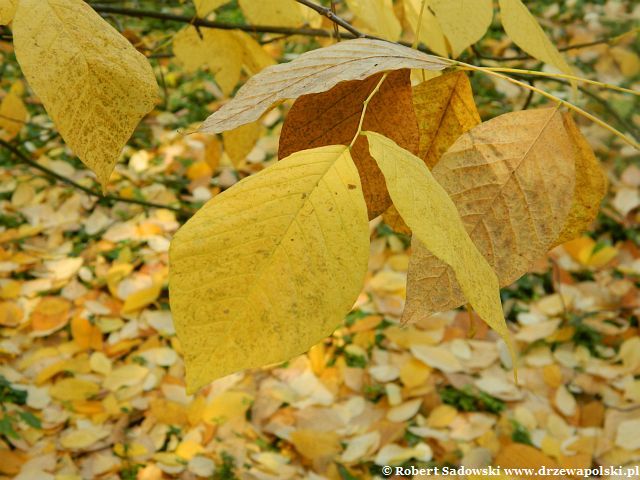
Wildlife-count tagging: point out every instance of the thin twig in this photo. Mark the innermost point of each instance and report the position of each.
(200, 22)
(326, 12)
(336, 30)
(108, 198)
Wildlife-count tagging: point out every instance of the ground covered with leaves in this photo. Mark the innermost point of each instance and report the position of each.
(91, 374)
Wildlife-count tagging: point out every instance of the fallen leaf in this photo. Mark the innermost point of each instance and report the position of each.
(314, 72)
(316, 445)
(521, 456)
(51, 314)
(509, 179)
(10, 314)
(426, 207)
(316, 120)
(302, 208)
(70, 389)
(82, 70)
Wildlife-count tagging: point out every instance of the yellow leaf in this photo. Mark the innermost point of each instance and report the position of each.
(195, 49)
(239, 142)
(188, 449)
(445, 110)
(93, 83)
(583, 250)
(254, 57)
(316, 445)
(590, 189)
(377, 16)
(430, 31)
(227, 406)
(526, 32)
(463, 22)
(10, 314)
(13, 115)
(199, 170)
(205, 7)
(142, 298)
(270, 267)
(314, 72)
(426, 207)
(70, 389)
(284, 13)
(521, 456)
(511, 180)
(51, 314)
(7, 11)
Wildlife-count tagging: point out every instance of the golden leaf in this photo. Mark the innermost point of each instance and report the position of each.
(590, 189)
(430, 31)
(526, 32)
(205, 7)
(93, 83)
(511, 179)
(217, 49)
(7, 11)
(13, 115)
(314, 72)
(51, 314)
(69, 389)
(377, 16)
(463, 22)
(316, 445)
(521, 456)
(239, 142)
(317, 119)
(284, 13)
(445, 110)
(434, 220)
(254, 57)
(268, 268)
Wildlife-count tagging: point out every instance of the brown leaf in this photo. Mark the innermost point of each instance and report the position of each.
(332, 117)
(445, 109)
(590, 189)
(511, 179)
(314, 72)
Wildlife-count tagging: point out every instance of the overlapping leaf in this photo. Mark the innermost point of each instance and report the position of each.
(377, 16)
(332, 117)
(204, 7)
(463, 22)
(93, 83)
(285, 13)
(270, 267)
(512, 180)
(7, 11)
(590, 189)
(430, 32)
(526, 32)
(13, 113)
(445, 110)
(432, 216)
(314, 72)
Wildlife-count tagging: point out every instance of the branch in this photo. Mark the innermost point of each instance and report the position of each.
(200, 22)
(327, 12)
(108, 198)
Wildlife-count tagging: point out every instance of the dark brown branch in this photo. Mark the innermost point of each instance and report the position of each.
(108, 198)
(327, 12)
(200, 22)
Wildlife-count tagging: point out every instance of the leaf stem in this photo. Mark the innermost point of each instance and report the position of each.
(364, 109)
(564, 76)
(419, 26)
(567, 104)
